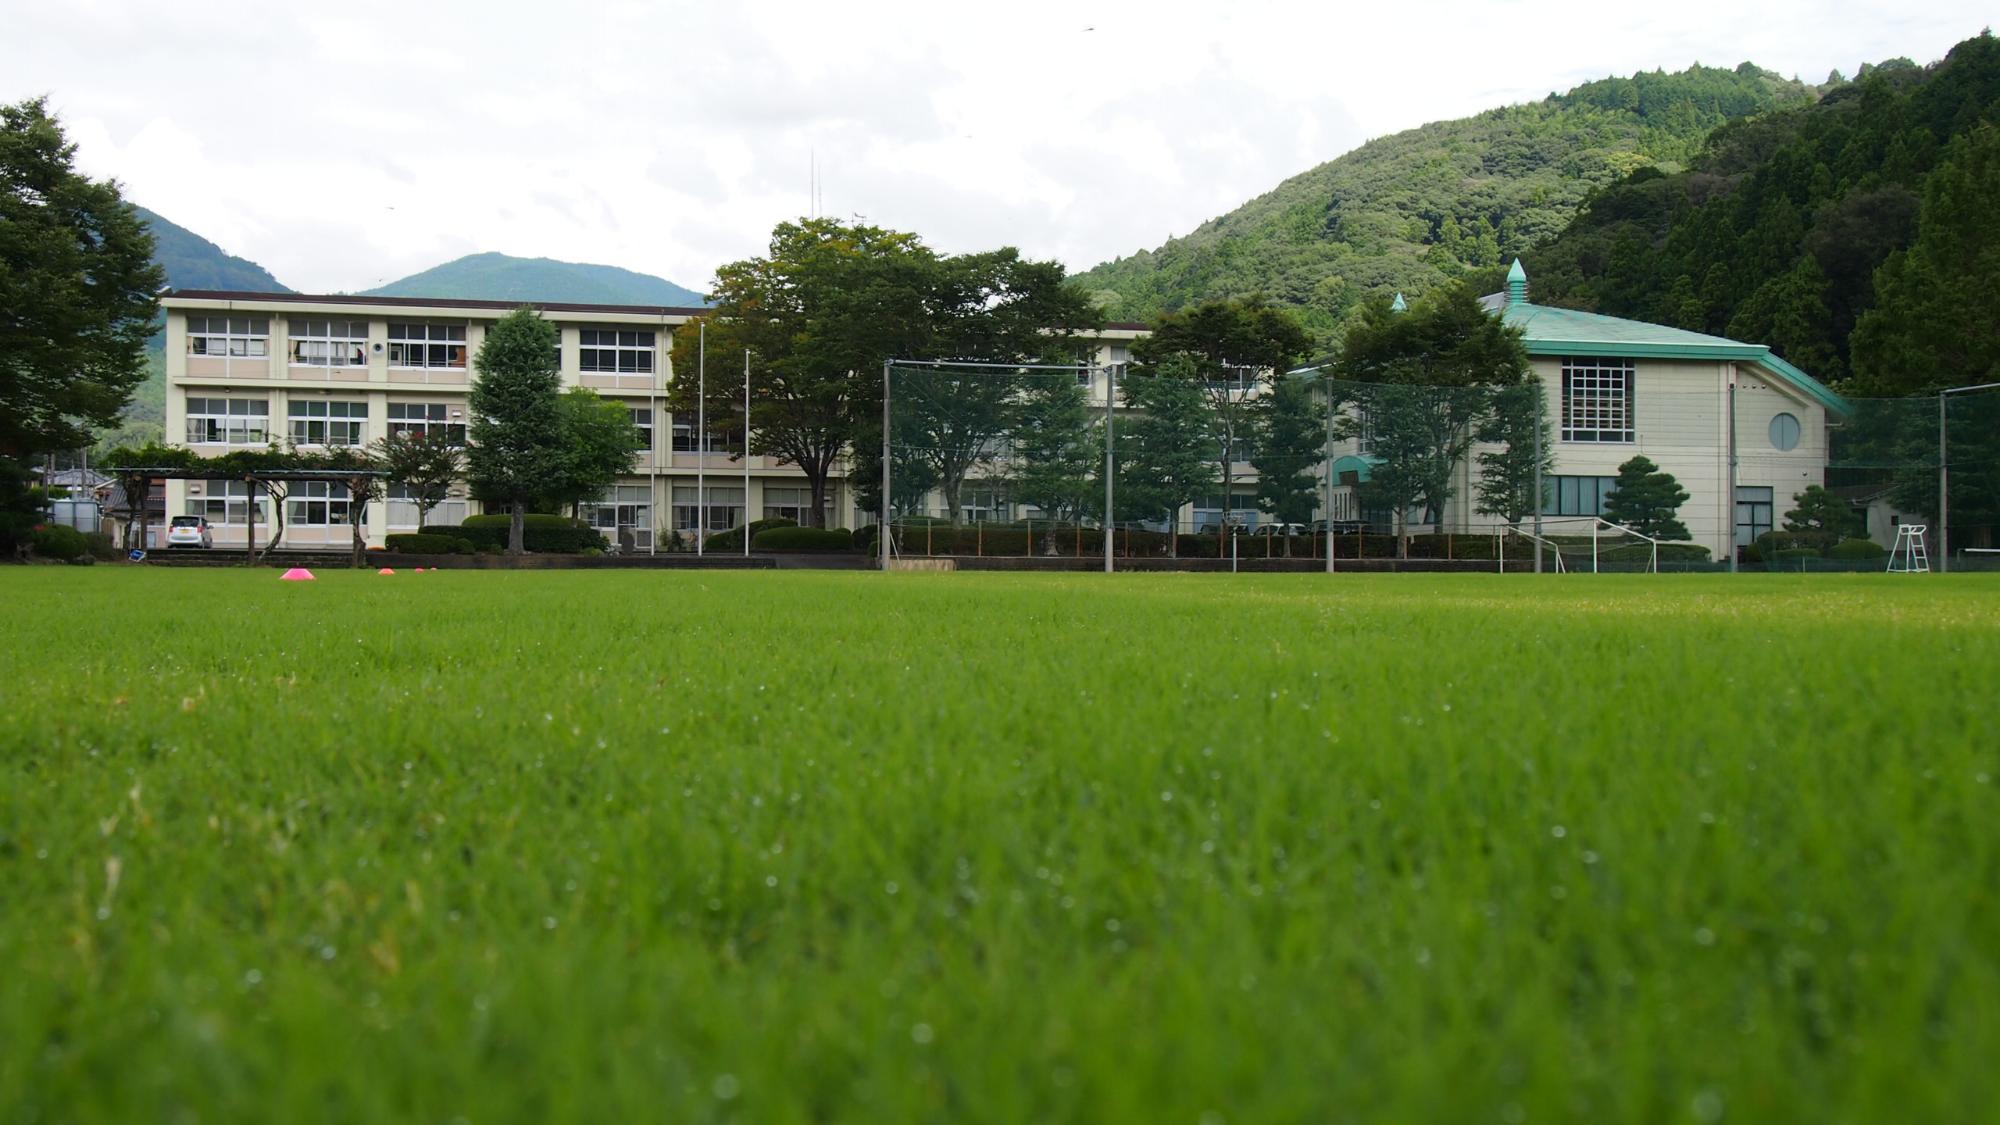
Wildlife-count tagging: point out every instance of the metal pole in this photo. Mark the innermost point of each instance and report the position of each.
(1324, 382)
(746, 453)
(1729, 505)
(883, 537)
(1944, 476)
(701, 441)
(1110, 392)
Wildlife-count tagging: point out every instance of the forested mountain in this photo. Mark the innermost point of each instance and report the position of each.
(1789, 228)
(1413, 209)
(193, 262)
(499, 277)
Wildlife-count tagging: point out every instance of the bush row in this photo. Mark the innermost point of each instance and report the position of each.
(732, 540)
(540, 533)
(1791, 546)
(430, 543)
(803, 539)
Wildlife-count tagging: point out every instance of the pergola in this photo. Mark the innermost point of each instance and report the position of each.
(359, 483)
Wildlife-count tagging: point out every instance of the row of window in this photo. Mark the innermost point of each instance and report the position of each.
(246, 421)
(344, 343)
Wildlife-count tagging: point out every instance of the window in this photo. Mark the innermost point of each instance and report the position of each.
(229, 335)
(1576, 496)
(624, 352)
(224, 502)
(795, 503)
(402, 508)
(1364, 428)
(642, 420)
(423, 419)
(319, 422)
(717, 442)
(624, 515)
(1785, 431)
(330, 343)
(1235, 379)
(318, 503)
(725, 507)
(427, 345)
(1753, 512)
(1208, 511)
(228, 421)
(1597, 400)
(978, 504)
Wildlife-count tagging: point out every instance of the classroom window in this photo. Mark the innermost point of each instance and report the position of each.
(225, 503)
(427, 345)
(320, 422)
(1754, 506)
(424, 419)
(1576, 496)
(228, 421)
(236, 336)
(329, 343)
(620, 351)
(318, 503)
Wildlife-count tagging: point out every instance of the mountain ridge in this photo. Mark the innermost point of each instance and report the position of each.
(493, 276)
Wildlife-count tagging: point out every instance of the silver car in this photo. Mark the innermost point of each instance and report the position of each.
(189, 531)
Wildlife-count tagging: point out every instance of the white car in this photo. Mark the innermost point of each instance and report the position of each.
(189, 531)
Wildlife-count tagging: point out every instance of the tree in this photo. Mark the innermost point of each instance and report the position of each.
(1820, 510)
(425, 463)
(1509, 473)
(1057, 449)
(1647, 500)
(1166, 457)
(1428, 379)
(1291, 440)
(77, 295)
(1228, 349)
(516, 433)
(599, 445)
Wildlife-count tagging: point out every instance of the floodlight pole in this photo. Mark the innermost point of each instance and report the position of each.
(1729, 505)
(701, 440)
(1111, 393)
(1944, 474)
(1328, 385)
(883, 537)
(1541, 498)
(746, 453)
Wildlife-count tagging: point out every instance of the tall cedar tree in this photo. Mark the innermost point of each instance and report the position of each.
(1509, 467)
(77, 294)
(1291, 440)
(1427, 379)
(1228, 349)
(1058, 449)
(1647, 500)
(517, 433)
(1166, 456)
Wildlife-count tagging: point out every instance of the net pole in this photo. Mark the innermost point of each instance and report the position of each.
(701, 441)
(1541, 420)
(1110, 394)
(1729, 529)
(1328, 512)
(883, 538)
(746, 453)
(1944, 476)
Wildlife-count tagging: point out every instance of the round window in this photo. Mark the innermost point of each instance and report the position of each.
(1785, 432)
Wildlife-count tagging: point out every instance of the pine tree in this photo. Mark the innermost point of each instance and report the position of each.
(1820, 510)
(1291, 440)
(516, 432)
(1647, 500)
(1166, 456)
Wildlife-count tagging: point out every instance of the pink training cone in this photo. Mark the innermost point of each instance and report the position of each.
(296, 574)
(385, 570)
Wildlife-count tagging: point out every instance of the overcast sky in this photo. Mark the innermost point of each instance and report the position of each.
(342, 145)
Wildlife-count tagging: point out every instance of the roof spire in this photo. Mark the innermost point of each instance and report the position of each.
(1399, 305)
(1517, 284)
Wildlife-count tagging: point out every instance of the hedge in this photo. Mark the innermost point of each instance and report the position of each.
(540, 533)
(732, 540)
(428, 543)
(1857, 549)
(1774, 544)
(803, 539)
(56, 541)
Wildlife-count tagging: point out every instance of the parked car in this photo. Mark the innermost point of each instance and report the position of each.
(190, 531)
(1286, 530)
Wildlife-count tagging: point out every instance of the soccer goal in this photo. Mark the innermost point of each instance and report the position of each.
(999, 460)
(1593, 545)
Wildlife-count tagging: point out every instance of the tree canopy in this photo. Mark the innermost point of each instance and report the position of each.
(516, 434)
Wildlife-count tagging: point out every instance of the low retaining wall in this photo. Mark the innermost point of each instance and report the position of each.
(1255, 566)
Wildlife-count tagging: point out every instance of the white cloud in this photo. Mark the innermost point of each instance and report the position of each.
(340, 147)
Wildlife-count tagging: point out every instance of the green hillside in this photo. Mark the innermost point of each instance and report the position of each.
(193, 262)
(1410, 210)
(1789, 229)
(499, 277)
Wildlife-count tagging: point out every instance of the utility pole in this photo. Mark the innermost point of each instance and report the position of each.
(1110, 392)
(1729, 504)
(1944, 473)
(746, 453)
(701, 440)
(882, 539)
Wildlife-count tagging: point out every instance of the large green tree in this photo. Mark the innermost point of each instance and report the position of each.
(1166, 456)
(1291, 437)
(1425, 379)
(1230, 350)
(1520, 451)
(517, 437)
(599, 445)
(1058, 449)
(426, 464)
(77, 292)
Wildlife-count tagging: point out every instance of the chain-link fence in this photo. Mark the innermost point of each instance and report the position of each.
(1566, 472)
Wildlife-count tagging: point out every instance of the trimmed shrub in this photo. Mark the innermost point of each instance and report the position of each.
(55, 541)
(732, 540)
(1855, 549)
(1774, 544)
(540, 533)
(101, 547)
(803, 539)
(428, 543)
(1793, 556)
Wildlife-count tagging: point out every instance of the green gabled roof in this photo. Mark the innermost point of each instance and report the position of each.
(1550, 331)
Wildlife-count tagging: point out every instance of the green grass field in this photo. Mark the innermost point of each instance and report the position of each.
(803, 847)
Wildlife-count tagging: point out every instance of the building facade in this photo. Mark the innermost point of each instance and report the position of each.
(248, 369)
